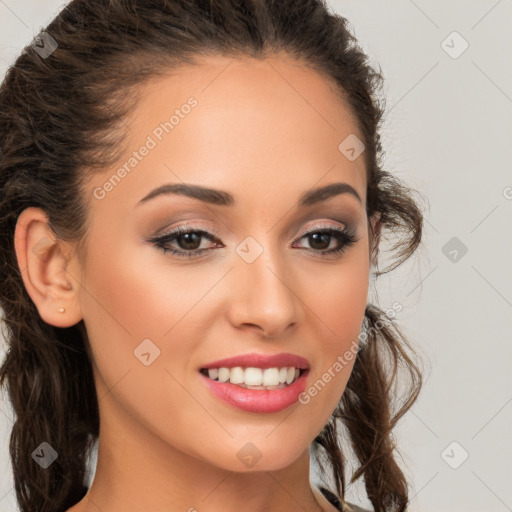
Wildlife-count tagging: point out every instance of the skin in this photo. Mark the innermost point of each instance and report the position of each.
(166, 443)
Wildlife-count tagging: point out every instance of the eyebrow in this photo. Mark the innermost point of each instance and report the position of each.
(223, 198)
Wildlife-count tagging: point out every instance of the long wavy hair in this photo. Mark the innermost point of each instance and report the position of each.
(62, 119)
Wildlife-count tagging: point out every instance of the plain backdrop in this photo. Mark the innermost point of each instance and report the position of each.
(448, 134)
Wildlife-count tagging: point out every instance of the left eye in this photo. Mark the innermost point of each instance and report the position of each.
(189, 240)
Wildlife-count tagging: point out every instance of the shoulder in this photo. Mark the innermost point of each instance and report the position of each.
(347, 507)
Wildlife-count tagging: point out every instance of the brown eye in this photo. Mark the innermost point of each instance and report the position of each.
(187, 239)
(320, 239)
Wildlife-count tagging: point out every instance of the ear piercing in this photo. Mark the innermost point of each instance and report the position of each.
(61, 310)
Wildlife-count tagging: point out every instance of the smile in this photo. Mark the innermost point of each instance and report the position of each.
(255, 378)
(243, 395)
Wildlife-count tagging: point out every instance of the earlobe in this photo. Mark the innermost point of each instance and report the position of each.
(43, 261)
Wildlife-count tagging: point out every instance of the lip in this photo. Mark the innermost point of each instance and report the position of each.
(255, 360)
(257, 400)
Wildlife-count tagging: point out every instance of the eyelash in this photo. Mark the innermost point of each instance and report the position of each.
(347, 238)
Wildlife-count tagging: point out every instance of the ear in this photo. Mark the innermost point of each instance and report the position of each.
(375, 241)
(45, 265)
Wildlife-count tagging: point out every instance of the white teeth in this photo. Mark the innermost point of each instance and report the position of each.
(223, 374)
(252, 377)
(256, 378)
(271, 377)
(236, 375)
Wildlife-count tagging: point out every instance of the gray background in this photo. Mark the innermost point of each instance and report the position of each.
(448, 134)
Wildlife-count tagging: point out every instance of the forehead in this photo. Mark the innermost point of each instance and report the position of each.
(273, 120)
(270, 87)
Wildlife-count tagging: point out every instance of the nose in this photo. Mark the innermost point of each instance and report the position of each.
(263, 296)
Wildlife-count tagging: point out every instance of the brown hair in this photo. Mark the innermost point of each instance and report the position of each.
(61, 119)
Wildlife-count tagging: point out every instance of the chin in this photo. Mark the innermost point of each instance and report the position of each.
(257, 456)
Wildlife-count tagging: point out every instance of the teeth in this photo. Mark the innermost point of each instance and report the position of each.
(270, 377)
(236, 376)
(256, 378)
(223, 374)
(213, 373)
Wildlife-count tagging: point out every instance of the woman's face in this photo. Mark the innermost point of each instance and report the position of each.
(266, 133)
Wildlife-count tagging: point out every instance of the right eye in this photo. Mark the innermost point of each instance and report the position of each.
(188, 238)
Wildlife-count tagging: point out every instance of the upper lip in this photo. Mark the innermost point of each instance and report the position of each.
(254, 360)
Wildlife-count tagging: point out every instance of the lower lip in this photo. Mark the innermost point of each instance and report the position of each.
(257, 400)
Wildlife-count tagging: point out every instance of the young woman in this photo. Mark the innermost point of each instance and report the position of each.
(192, 202)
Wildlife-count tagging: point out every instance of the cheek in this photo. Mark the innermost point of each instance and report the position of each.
(136, 292)
(337, 297)
(127, 300)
